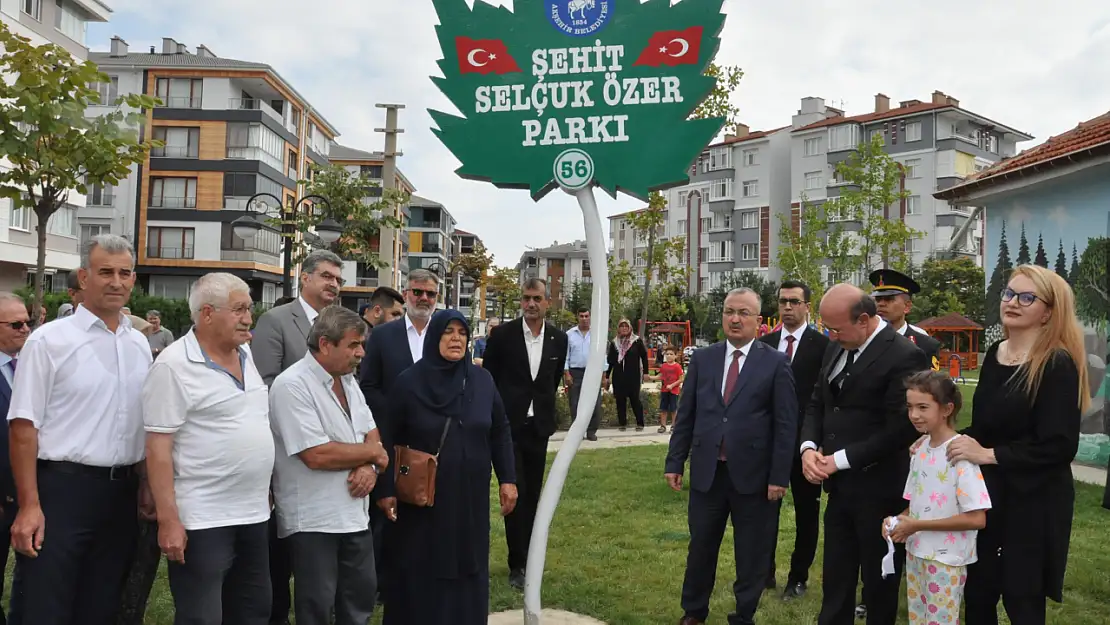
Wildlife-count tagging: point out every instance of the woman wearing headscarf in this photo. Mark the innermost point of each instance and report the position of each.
(441, 573)
(628, 366)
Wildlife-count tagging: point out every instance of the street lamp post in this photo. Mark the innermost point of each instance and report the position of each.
(249, 225)
(448, 279)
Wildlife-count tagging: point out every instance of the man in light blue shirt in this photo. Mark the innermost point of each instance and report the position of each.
(578, 352)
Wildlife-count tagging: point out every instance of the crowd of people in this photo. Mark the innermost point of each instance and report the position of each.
(352, 453)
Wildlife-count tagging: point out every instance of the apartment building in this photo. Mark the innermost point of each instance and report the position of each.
(937, 142)
(64, 23)
(430, 229)
(466, 295)
(231, 129)
(360, 280)
(561, 265)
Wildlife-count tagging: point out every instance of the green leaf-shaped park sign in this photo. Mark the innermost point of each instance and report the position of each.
(574, 92)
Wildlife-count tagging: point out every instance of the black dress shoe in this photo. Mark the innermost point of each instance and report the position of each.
(516, 578)
(591, 437)
(689, 620)
(794, 590)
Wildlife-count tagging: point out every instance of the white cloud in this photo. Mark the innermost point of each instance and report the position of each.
(1019, 63)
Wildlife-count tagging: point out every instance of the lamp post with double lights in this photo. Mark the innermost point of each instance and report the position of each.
(249, 225)
(448, 274)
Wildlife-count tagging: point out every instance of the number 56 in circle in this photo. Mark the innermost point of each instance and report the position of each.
(574, 169)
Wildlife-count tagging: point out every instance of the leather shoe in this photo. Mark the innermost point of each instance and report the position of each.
(794, 590)
(591, 437)
(516, 578)
(689, 620)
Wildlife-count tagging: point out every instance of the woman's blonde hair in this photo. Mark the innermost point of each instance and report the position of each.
(1062, 331)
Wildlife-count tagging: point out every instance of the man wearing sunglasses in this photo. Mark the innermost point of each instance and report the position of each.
(14, 328)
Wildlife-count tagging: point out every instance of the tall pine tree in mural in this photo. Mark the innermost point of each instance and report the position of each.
(1074, 270)
(1023, 257)
(1041, 258)
(999, 277)
(1061, 262)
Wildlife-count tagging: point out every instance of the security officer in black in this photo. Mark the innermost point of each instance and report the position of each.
(894, 293)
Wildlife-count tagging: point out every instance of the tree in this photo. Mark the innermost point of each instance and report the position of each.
(1074, 270)
(719, 102)
(999, 278)
(504, 287)
(1023, 248)
(950, 286)
(1092, 293)
(51, 147)
(645, 226)
(474, 265)
(622, 291)
(1061, 262)
(1041, 258)
(580, 296)
(348, 203)
(802, 253)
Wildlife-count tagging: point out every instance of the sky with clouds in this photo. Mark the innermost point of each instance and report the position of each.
(1035, 65)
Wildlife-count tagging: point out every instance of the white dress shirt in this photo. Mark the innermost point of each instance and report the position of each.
(841, 457)
(416, 339)
(729, 350)
(797, 334)
(81, 386)
(223, 450)
(309, 311)
(305, 413)
(534, 345)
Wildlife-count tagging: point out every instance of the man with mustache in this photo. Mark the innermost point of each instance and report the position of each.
(279, 341)
(385, 305)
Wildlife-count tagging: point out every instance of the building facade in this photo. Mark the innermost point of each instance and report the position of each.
(64, 23)
(561, 265)
(430, 229)
(231, 129)
(466, 294)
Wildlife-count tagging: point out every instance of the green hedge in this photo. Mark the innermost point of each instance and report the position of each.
(608, 410)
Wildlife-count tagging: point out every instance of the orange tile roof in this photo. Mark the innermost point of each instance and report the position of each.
(951, 321)
(621, 215)
(871, 117)
(751, 136)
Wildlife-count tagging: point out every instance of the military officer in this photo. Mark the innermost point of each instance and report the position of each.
(894, 293)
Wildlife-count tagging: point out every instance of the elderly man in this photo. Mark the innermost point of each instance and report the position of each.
(210, 456)
(739, 399)
(15, 326)
(329, 455)
(77, 444)
(278, 342)
(159, 338)
(856, 438)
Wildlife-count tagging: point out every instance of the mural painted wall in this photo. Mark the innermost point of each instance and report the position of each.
(1063, 225)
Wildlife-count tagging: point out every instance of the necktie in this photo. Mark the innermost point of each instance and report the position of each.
(790, 347)
(12, 363)
(730, 385)
(839, 379)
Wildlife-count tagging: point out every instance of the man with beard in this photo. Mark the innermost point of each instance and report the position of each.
(279, 341)
(527, 358)
(385, 305)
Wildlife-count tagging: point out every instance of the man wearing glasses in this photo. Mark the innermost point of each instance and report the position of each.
(280, 340)
(15, 327)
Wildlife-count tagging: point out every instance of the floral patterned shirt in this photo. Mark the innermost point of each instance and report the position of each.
(938, 489)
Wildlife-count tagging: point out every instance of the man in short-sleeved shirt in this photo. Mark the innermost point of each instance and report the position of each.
(159, 338)
(328, 458)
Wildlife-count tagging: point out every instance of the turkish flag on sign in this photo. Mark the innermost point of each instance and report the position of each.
(482, 56)
(672, 47)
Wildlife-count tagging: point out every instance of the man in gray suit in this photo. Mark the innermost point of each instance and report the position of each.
(280, 340)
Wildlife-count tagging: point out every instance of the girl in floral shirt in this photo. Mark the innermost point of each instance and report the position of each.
(947, 504)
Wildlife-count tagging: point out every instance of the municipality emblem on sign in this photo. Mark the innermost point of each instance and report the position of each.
(578, 18)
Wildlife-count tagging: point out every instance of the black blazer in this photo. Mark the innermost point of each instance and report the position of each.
(387, 355)
(506, 359)
(7, 481)
(806, 366)
(867, 419)
(927, 344)
(758, 424)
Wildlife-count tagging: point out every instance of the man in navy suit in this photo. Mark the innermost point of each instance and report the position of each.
(737, 423)
(15, 327)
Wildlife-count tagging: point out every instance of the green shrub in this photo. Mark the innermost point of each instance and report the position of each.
(563, 417)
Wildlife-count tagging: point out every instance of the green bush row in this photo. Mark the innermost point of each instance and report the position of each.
(563, 417)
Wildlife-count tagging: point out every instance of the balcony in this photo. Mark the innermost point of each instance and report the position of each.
(365, 281)
(250, 256)
(180, 102)
(292, 173)
(174, 151)
(170, 253)
(104, 200)
(172, 202)
(253, 104)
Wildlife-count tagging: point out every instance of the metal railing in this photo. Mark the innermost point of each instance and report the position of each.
(172, 202)
(180, 102)
(253, 255)
(367, 281)
(175, 151)
(254, 104)
(171, 253)
(106, 199)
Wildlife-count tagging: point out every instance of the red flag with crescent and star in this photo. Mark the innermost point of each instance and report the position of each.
(672, 47)
(484, 56)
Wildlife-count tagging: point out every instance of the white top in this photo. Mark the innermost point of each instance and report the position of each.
(797, 334)
(534, 345)
(416, 340)
(937, 489)
(729, 349)
(309, 311)
(81, 386)
(223, 451)
(305, 413)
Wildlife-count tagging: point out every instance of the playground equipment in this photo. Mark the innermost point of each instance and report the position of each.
(677, 334)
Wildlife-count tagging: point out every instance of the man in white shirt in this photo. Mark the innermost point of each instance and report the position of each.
(77, 446)
(578, 354)
(210, 456)
(329, 455)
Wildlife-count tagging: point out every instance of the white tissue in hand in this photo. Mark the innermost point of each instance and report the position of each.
(888, 559)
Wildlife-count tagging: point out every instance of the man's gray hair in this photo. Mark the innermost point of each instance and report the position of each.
(332, 325)
(214, 289)
(8, 296)
(534, 284)
(423, 275)
(155, 313)
(743, 290)
(111, 243)
(316, 257)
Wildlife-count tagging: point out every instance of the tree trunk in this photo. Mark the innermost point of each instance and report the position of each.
(647, 281)
(42, 213)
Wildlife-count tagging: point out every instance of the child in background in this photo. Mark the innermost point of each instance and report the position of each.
(671, 376)
(948, 503)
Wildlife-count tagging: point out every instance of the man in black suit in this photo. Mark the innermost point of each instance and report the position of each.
(15, 327)
(856, 439)
(526, 358)
(385, 305)
(804, 347)
(893, 294)
(737, 423)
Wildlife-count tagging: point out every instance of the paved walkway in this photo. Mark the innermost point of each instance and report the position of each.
(548, 617)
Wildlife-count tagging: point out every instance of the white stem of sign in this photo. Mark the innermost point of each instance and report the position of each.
(591, 386)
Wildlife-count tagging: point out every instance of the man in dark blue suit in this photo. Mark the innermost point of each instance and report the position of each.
(14, 330)
(737, 423)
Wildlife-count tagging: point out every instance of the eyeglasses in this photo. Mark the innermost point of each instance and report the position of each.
(793, 301)
(418, 293)
(238, 311)
(746, 314)
(17, 325)
(1024, 299)
(330, 277)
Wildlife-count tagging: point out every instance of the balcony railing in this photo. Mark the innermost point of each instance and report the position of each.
(366, 281)
(106, 199)
(292, 173)
(181, 102)
(172, 202)
(254, 104)
(174, 151)
(720, 227)
(251, 255)
(290, 126)
(172, 253)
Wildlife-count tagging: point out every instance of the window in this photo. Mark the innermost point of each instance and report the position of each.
(180, 142)
(620, 254)
(720, 251)
(63, 222)
(267, 240)
(245, 185)
(681, 226)
(913, 244)
(913, 168)
(989, 143)
(173, 193)
(69, 22)
(622, 234)
(722, 221)
(913, 131)
(703, 254)
(89, 231)
(705, 224)
(180, 93)
(255, 142)
(720, 158)
(835, 213)
(108, 91)
(292, 165)
(749, 220)
(751, 188)
(32, 8)
(623, 224)
(913, 205)
(843, 137)
(751, 158)
(720, 190)
(813, 180)
(703, 284)
(682, 197)
(812, 147)
(172, 243)
(878, 132)
(20, 218)
(371, 171)
(749, 251)
(100, 195)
